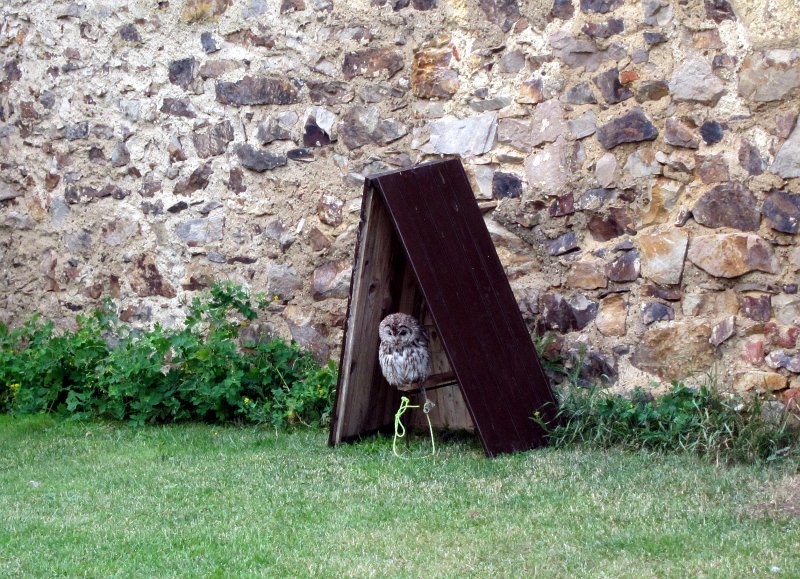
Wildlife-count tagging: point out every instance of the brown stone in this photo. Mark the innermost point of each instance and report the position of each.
(710, 304)
(531, 92)
(197, 180)
(679, 134)
(755, 380)
(732, 254)
(675, 351)
(561, 206)
(713, 169)
(431, 75)
(372, 62)
(662, 255)
(610, 86)
(178, 108)
(612, 315)
(617, 222)
(731, 205)
(756, 306)
(723, 330)
(750, 159)
(652, 90)
(504, 13)
(214, 141)
(586, 275)
(664, 195)
(146, 280)
(656, 312)
(329, 210)
(567, 314)
(770, 76)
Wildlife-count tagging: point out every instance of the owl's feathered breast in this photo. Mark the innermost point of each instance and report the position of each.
(404, 360)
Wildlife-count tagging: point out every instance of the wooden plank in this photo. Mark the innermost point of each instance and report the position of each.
(466, 290)
(361, 404)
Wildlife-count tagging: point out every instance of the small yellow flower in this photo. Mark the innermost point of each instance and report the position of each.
(276, 297)
(246, 400)
(14, 389)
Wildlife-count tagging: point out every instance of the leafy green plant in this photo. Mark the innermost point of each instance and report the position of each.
(697, 420)
(201, 371)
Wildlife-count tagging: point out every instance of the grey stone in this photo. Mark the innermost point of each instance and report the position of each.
(283, 281)
(549, 169)
(198, 179)
(624, 268)
(77, 131)
(178, 108)
(580, 94)
(656, 12)
(331, 280)
(679, 134)
(577, 52)
(277, 128)
(719, 10)
(642, 163)
(208, 43)
(607, 29)
(182, 72)
(722, 330)
(506, 185)
(750, 159)
(214, 141)
(712, 132)
(584, 126)
(202, 230)
(567, 314)
(504, 13)
(279, 233)
(599, 6)
(652, 90)
(120, 155)
(695, 81)
(260, 161)
(770, 76)
(605, 170)
(787, 161)
(511, 62)
(656, 312)
(466, 137)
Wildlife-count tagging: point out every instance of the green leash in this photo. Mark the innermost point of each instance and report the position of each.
(400, 430)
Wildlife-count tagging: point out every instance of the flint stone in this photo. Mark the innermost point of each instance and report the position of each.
(371, 62)
(146, 280)
(208, 43)
(256, 90)
(612, 316)
(759, 381)
(584, 126)
(304, 155)
(362, 125)
(506, 185)
(331, 280)
(562, 205)
(201, 230)
(494, 104)
(782, 211)
(662, 255)
(780, 359)
(607, 29)
(656, 12)
(510, 63)
(600, 6)
(567, 315)
(730, 204)
(606, 227)
(652, 90)
(610, 87)
(562, 244)
(719, 10)
(178, 108)
(596, 198)
(583, 53)
(656, 312)
(182, 72)
(77, 131)
(653, 38)
(624, 268)
(770, 76)
(586, 275)
(712, 132)
(675, 351)
(750, 159)
(120, 155)
(562, 9)
(732, 254)
(633, 126)
(504, 13)
(318, 129)
(277, 128)
(787, 161)
(214, 141)
(722, 330)
(330, 93)
(695, 81)
(466, 137)
(197, 180)
(260, 161)
(279, 233)
(580, 94)
(756, 306)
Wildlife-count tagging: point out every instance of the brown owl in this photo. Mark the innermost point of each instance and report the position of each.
(403, 353)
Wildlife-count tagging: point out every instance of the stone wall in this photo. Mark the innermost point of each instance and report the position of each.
(638, 162)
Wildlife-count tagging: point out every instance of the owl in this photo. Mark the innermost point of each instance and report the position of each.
(403, 353)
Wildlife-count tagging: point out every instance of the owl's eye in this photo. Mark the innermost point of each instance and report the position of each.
(403, 332)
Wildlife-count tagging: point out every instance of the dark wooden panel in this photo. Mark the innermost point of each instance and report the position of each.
(466, 290)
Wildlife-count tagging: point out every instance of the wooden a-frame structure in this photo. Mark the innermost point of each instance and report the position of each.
(423, 248)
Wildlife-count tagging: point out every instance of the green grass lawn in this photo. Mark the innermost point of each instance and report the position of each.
(100, 500)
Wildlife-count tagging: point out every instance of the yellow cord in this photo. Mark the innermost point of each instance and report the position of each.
(400, 430)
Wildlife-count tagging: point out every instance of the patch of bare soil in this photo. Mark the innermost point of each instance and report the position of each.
(786, 501)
